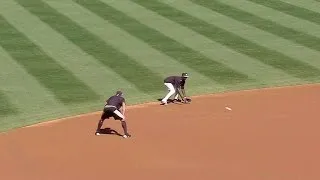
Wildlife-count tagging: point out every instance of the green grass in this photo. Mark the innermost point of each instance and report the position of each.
(183, 54)
(94, 46)
(65, 57)
(269, 26)
(291, 9)
(43, 67)
(267, 56)
(6, 108)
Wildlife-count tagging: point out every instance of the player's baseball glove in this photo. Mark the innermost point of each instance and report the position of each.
(188, 100)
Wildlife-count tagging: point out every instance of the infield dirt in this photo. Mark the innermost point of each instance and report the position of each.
(269, 134)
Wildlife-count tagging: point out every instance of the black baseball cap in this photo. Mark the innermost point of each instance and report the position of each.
(185, 75)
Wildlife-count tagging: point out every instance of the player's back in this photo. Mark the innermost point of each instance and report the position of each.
(115, 101)
(172, 79)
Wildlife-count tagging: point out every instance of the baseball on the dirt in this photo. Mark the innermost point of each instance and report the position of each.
(227, 108)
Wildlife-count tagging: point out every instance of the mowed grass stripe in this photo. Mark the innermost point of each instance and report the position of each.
(266, 47)
(275, 16)
(279, 18)
(302, 53)
(229, 37)
(6, 107)
(128, 44)
(309, 41)
(291, 9)
(186, 37)
(70, 56)
(66, 87)
(184, 55)
(254, 69)
(142, 77)
(307, 4)
(26, 94)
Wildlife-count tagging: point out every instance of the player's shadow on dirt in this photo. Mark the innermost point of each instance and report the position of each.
(109, 131)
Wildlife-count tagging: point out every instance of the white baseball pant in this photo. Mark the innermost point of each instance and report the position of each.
(171, 90)
(118, 113)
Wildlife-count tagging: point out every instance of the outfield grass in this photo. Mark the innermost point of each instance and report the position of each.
(64, 57)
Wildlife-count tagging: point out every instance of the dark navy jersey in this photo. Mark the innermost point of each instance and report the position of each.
(115, 101)
(176, 81)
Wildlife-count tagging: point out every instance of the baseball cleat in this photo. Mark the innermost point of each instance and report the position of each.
(163, 103)
(97, 134)
(126, 136)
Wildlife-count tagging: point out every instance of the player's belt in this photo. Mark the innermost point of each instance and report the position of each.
(110, 106)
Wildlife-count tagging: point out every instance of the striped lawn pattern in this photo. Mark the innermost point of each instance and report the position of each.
(211, 69)
(192, 39)
(43, 67)
(65, 53)
(93, 45)
(65, 57)
(277, 29)
(25, 93)
(311, 5)
(291, 9)
(233, 41)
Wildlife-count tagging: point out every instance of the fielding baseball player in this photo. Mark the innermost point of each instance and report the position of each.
(175, 85)
(112, 109)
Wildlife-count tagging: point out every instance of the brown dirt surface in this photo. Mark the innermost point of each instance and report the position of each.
(269, 134)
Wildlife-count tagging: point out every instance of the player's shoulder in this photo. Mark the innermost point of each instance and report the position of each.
(172, 76)
(120, 98)
(112, 97)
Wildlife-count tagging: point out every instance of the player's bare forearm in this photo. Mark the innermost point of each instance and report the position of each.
(124, 126)
(123, 108)
(125, 130)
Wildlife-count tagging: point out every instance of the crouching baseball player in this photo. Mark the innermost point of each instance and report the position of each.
(112, 109)
(175, 85)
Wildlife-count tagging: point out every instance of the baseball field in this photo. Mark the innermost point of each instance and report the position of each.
(254, 68)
